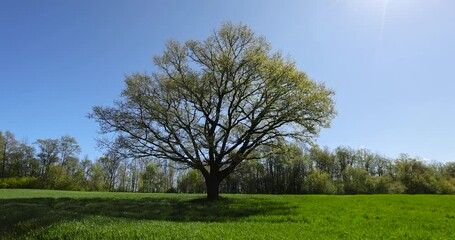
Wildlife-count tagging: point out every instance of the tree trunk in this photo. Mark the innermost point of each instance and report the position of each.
(4, 160)
(213, 188)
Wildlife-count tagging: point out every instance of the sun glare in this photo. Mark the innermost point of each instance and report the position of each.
(384, 15)
(367, 8)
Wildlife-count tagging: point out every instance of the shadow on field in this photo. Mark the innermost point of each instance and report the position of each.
(19, 216)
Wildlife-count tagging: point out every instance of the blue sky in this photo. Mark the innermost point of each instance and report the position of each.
(390, 62)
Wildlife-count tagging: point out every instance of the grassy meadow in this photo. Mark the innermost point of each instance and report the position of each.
(47, 214)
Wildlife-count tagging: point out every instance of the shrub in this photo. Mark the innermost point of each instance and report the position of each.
(372, 184)
(356, 181)
(416, 176)
(20, 182)
(383, 184)
(320, 183)
(396, 187)
(191, 182)
(445, 187)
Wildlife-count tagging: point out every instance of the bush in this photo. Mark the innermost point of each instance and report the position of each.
(383, 184)
(396, 187)
(320, 183)
(356, 181)
(445, 187)
(191, 182)
(3, 184)
(20, 182)
(372, 184)
(416, 176)
(452, 181)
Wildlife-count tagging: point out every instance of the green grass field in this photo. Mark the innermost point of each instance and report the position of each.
(45, 214)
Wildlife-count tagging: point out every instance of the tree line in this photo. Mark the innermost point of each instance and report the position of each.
(55, 164)
(289, 169)
(279, 168)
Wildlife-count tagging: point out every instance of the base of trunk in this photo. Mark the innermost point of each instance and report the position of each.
(213, 190)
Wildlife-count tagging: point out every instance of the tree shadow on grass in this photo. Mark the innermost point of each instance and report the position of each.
(20, 216)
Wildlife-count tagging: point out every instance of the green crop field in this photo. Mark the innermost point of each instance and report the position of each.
(45, 214)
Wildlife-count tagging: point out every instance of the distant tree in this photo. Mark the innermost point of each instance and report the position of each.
(324, 160)
(96, 176)
(448, 170)
(355, 180)
(297, 169)
(110, 165)
(345, 157)
(212, 103)
(55, 177)
(153, 179)
(383, 166)
(169, 171)
(22, 161)
(48, 153)
(247, 178)
(7, 145)
(191, 182)
(415, 175)
(71, 165)
(320, 183)
(68, 149)
(284, 167)
(276, 163)
(134, 175)
(123, 185)
(84, 167)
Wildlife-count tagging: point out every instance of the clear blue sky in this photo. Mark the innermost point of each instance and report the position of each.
(391, 62)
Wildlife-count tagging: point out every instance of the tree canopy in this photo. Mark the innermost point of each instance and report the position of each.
(210, 104)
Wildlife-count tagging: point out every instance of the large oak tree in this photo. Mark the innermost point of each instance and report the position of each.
(211, 103)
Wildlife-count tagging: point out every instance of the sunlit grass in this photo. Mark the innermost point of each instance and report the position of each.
(44, 214)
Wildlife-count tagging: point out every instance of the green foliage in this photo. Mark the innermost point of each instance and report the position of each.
(396, 187)
(246, 179)
(20, 182)
(355, 180)
(417, 177)
(44, 214)
(445, 187)
(191, 182)
(280, 168)
(380, 184)
(323, 159)
(448, 170)
(153, 179)
(172, 190)
(96, 178)
(320, 183)
(55, 178)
